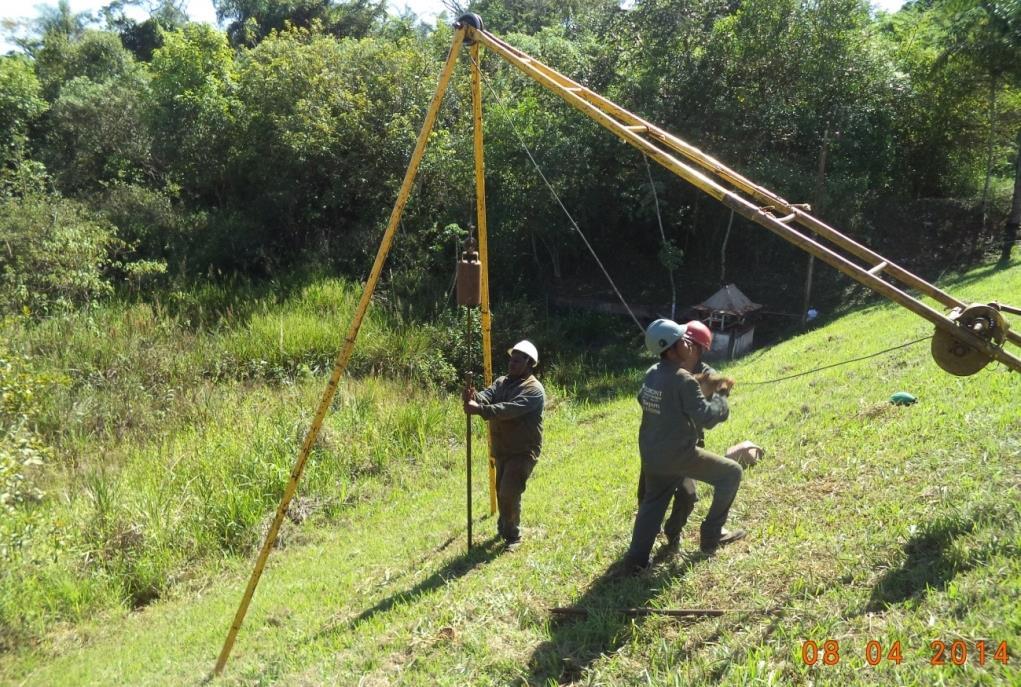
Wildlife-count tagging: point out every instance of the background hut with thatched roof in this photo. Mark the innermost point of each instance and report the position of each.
(730, 315)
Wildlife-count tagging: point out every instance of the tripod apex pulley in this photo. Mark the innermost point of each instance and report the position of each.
(954, 354)
(469, 20)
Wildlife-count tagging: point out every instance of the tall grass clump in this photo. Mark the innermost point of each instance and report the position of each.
(23, 457)
(302, 334)
(169, 441)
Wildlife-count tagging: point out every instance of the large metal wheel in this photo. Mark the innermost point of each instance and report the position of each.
(958, 357)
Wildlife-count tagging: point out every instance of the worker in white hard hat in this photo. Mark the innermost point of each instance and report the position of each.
(674, 413)
(513, 407)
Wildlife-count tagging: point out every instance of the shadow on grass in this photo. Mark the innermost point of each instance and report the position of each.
(481, 553)
(933, 559)
(575, 642)
(740, 652)
(957, 281)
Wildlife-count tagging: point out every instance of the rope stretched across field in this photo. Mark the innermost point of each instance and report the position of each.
(844, 362)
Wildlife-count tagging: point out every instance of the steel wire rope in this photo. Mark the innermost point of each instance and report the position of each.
(557, 198)
(844, 362)
(662, 236)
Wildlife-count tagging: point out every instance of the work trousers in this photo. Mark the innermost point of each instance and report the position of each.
(722, 473)
(684, 502)
(511, 477)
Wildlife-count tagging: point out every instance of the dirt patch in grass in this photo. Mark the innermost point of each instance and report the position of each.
(875, 410)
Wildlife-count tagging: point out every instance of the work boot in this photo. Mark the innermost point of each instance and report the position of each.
(633, 568)
(673, 539)
(726, 537)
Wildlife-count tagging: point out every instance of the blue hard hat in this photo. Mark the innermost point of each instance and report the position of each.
(662, 334)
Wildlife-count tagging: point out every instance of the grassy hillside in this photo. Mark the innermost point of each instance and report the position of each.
(868, 522)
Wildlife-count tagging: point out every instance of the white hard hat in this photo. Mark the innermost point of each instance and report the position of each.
(526, 347)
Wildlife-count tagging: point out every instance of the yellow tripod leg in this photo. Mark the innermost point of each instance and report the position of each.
(344, 356)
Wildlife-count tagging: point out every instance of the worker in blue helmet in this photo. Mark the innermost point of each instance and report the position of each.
(674, 413)
(697, 333)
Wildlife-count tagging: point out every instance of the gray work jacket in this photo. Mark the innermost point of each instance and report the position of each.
(674, 414)
(513, 408)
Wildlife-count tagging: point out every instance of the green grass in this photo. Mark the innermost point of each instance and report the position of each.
(867, 522)
(171, 439)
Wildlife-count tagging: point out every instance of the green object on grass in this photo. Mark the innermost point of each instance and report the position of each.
(902, 398)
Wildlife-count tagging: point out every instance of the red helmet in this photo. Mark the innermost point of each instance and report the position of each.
(699, 334)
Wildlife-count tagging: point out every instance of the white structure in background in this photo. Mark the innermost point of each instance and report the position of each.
(727, 313)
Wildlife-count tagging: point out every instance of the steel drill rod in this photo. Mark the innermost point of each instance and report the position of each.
(645, 610)
(468, 427)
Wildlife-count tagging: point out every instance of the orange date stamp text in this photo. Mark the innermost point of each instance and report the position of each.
(958, 652)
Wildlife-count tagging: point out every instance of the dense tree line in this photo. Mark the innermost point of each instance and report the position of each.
(138, 152)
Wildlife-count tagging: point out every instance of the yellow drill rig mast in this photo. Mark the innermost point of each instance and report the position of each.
(966, 338)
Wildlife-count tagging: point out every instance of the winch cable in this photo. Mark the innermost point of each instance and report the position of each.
(844, 362)
(570, 218)
(662, 236)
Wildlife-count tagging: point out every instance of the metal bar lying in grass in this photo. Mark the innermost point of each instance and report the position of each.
(645, 610)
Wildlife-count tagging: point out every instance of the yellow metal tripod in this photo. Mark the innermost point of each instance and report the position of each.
(965, 341)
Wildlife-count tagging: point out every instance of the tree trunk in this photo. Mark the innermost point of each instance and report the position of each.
(1011, 227)
(990, 145)
(552, 252)
(723, 251)
(820, 188)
